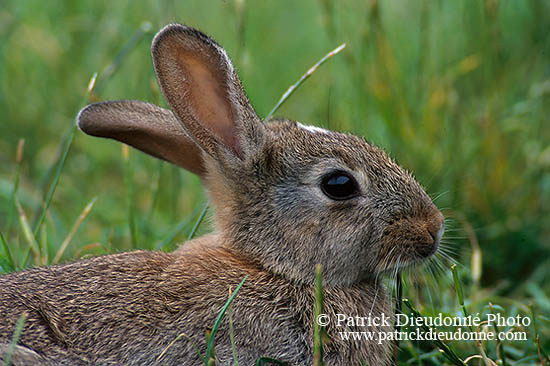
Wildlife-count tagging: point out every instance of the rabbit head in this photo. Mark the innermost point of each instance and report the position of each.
(286, 196)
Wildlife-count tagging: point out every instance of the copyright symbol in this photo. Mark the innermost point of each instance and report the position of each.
(323, 320)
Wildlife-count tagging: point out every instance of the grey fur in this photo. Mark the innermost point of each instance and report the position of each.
(272, 223)
(150, 128)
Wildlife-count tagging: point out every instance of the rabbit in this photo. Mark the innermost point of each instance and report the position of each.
(286, 196)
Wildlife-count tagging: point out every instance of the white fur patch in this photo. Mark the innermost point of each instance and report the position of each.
(227, 60)
(313, 129)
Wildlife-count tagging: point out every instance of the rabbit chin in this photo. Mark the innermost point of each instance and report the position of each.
(404, 262)
(406, 254)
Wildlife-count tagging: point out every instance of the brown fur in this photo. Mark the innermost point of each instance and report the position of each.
(127, 308)
(273, 224)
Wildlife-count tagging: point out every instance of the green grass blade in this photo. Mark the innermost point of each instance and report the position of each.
(27, 233)
(458, 286)
(197, 224)
(73, 231)
(128, 181)
(53, 186)
(317, 329)
(15, 339)
(26, 257)
(11, 262)
(43, 244)
(304, 77)
(18, 161)
(500, 345)
(181, 335)
(398, 309)
(445, 349)
(210, 346)
(459, 292)
(169, 238)
(232, 337)
(155, 195)
(543, 356)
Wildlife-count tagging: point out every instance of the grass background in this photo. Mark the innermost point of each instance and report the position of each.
(457, 91)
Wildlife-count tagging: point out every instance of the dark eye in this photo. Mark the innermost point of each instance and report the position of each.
(339, 185)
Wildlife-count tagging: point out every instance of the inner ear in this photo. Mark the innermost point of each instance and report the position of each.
(210, 99)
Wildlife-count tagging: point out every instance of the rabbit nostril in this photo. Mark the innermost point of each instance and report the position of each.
(440, 232)
(436, 232)
(436, 226)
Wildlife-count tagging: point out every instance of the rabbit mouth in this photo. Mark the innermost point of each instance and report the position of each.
(401, 261)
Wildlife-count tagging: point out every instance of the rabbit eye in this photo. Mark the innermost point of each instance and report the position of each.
(339, 186)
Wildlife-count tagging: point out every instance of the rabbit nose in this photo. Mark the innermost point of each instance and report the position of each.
(436, 227)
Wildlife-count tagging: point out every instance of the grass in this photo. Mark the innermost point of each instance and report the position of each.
(457, 91)
(15, 339)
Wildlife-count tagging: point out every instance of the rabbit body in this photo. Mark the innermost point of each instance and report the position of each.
(285, 196)
(127, 308)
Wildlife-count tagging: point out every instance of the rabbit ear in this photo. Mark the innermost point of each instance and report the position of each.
(204, 91)
(145, 126)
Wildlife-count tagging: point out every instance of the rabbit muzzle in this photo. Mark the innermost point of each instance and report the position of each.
(411, 239)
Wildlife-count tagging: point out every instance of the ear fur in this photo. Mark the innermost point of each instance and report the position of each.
(204, 92)
(147, 127)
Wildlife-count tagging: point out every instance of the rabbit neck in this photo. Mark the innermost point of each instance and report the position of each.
(213, 266)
